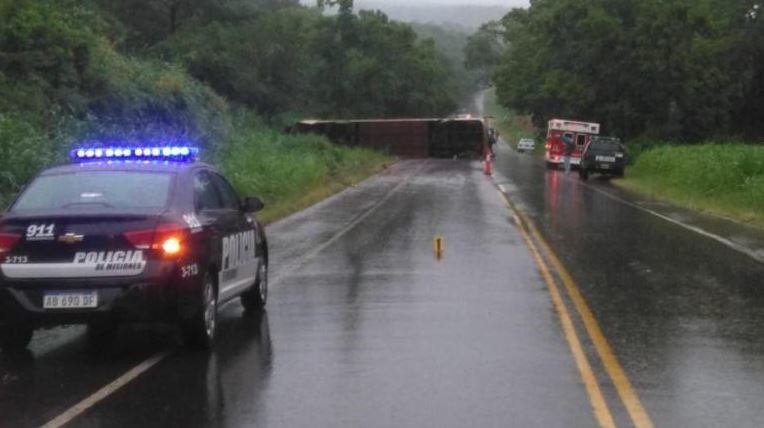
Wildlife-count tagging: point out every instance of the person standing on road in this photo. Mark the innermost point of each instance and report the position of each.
(493, 138)
(570, 145)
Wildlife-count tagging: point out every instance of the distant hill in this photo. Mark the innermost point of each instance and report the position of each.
(468, 17)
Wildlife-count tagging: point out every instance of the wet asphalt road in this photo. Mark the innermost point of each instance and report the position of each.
(366, 328)
(683, 313)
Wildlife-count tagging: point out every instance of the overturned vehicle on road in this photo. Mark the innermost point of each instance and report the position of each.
(461, 137)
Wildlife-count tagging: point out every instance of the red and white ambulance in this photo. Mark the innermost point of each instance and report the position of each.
(580, 132)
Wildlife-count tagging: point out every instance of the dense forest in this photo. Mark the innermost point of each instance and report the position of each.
(681, 70)
(197, 70)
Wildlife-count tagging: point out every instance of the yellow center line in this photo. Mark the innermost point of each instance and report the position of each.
(626, 391)
(639, 416)
(599, 405)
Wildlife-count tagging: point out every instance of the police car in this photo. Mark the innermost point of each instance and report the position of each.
(604, 155)
(128, 234)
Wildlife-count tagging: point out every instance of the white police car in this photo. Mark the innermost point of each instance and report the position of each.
(129, 234)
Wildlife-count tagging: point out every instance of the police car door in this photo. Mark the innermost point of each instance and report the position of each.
(239, 267)
(219, 221)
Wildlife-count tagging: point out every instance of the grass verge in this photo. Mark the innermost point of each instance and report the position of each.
(289, 172)
(724, 179)
(512, 126)
(292, 172)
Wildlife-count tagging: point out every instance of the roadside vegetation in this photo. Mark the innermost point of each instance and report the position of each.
(451, 41)
(684, 71)
(226, 76)
(291, 172)
(726, 179)
(510, 125)
(665, 76)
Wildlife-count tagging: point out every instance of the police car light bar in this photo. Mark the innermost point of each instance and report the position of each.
(149, 153)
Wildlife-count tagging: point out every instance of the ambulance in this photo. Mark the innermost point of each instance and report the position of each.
(580, 132)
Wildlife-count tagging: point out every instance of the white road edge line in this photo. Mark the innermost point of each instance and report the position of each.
(720, 239)
(79, 408)
(104, 392)
(363, 216)
(724, 241)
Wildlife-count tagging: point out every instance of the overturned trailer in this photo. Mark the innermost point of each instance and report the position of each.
(408, 138)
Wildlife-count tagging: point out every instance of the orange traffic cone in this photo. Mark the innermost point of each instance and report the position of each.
(487, 165)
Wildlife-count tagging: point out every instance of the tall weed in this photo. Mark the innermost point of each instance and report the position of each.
(721, 177)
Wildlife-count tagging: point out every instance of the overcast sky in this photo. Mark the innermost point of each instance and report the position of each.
(506, 3)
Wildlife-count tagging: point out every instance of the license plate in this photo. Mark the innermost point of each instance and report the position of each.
(605, 166)
(70, 300)
(606, 158)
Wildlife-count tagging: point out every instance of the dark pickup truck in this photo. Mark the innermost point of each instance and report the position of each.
(604, 155)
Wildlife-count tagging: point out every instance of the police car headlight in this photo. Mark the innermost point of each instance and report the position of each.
(619, 155)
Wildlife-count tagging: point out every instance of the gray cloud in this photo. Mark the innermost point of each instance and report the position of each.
(435, 3)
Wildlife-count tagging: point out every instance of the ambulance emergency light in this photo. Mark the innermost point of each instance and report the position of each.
(137, 153)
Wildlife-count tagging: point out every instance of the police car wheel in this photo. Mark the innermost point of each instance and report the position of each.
(14, 337)
(199, 331)
(255, 298)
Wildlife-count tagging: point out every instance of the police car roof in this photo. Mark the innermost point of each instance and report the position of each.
(126, 166)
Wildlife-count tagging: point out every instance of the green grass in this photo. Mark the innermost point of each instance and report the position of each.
(725, 179)
(291, 172)
(512, 126)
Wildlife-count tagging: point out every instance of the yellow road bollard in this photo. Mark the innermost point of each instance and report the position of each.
(438, 247)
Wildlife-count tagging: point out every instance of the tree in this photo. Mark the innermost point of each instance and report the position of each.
(679, 69)
(484, 49)
(298, 60)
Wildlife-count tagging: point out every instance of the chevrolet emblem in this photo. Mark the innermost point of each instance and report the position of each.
(71, 238)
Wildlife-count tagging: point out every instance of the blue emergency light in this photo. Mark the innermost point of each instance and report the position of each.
(137, 153)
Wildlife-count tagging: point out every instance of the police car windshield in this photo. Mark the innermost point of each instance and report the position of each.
(96, 189)
(606, 144)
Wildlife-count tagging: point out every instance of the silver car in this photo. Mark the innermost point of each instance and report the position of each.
(526, 144)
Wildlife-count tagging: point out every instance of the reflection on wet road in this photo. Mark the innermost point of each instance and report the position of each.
(365, 327)
(683, 313)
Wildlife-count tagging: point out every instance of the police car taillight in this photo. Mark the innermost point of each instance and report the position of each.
(141, 239)
(8, 241)
(169, 238)
(172, 246)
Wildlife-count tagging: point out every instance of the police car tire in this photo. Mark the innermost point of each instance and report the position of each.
(197, 331)
(14, 338)
(255, 298)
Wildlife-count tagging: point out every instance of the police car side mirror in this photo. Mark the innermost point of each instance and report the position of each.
(253, 204)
